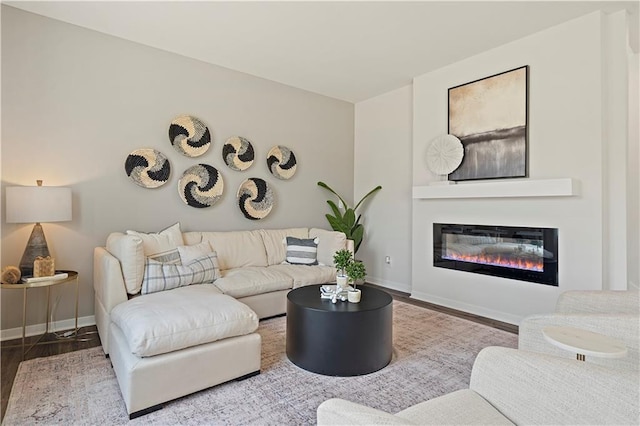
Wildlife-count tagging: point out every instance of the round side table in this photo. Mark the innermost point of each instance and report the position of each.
(584, 342)
(72, 276)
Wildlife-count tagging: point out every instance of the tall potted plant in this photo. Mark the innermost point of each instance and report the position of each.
(342, 259)
(355, 271)
(347, 222)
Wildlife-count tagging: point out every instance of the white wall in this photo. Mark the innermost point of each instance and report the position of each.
(568, 102)
(76, 102)
(383, 152)
(615, 149)
(633, 173)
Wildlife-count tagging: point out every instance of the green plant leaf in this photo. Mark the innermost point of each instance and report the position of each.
(349, 218)
(335, 209)
(325, 186)
(357, 234)
(377, 188)
(338, 225)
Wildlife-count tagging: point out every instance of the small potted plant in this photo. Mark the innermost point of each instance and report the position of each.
(342, 259)
(355, 271)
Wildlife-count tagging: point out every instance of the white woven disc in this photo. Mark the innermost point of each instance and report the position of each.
(444, 154)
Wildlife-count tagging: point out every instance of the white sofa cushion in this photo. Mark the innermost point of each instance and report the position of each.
(165, 276)
(161, 246)
(274, 245)
(304, 275)
(242, 282)
(237, 249)
(329, 242)
(187, 316)
(129, 251)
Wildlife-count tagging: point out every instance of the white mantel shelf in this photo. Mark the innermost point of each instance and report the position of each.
(565, 187)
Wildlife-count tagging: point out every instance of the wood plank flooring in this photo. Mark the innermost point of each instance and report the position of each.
(10, 351)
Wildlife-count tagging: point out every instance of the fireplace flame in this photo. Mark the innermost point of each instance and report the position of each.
(527, 264)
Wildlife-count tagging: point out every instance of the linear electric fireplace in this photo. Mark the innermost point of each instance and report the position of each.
(520, 253)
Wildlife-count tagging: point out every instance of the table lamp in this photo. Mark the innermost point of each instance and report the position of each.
(29, 204)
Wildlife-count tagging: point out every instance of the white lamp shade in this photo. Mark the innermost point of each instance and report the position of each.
(35, 204)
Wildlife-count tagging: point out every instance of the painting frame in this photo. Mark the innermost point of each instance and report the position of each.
(490, 116)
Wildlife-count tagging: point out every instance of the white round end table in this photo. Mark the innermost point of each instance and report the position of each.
(584, 342)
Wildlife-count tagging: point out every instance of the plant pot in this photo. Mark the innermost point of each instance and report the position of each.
(354, 296)
(342, 281)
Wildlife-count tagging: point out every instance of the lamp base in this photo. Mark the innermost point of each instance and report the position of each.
(36, 246)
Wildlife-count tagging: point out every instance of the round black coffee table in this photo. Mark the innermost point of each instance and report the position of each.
(342, 338)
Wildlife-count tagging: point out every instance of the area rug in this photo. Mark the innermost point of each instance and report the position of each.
(433, 355)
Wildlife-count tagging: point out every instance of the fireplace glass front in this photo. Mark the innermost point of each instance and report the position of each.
(521, 253)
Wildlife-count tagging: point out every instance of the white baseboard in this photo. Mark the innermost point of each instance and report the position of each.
(393, 285)
(466, 307)
(37, 329)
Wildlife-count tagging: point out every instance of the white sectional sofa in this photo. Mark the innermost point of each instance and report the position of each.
(167, 344)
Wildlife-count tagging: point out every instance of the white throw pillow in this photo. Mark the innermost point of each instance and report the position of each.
(189, 253)
(162, 246)
(129, 251)
(329, 243)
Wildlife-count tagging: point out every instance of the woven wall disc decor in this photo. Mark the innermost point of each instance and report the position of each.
(255, 198)
(237, 153)
(148, 168)
(281, 162)
(201, 186)
(189, 136)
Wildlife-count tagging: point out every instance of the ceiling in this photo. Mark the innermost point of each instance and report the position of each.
(349, 50)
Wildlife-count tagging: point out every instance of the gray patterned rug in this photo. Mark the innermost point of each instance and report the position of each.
(433, 355)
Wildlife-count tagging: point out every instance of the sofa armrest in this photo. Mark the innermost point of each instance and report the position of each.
(598, 302)
(341, 412)
(531, 388)
(110, 291)
(622, 327)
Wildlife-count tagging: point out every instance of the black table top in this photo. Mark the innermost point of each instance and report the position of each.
(308, 297)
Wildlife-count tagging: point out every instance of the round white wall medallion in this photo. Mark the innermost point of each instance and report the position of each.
(444, 154)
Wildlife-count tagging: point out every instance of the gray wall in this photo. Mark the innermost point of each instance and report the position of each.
(76, 102)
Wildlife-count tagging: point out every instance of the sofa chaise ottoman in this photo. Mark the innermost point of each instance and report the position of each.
(170, 344)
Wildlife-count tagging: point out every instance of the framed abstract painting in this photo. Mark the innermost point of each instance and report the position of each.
(490, 117)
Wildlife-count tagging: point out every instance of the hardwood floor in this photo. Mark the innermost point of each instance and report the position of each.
(405, 297)
(10, 351)
(11, 355)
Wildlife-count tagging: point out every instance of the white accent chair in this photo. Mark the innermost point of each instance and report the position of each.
(612, 313)
(510, 386)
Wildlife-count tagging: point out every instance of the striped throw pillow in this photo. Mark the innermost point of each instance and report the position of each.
(301, 251)
(166, 276)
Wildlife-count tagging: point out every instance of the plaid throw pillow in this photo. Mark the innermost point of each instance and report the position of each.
(162, 276)
(301, 251)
